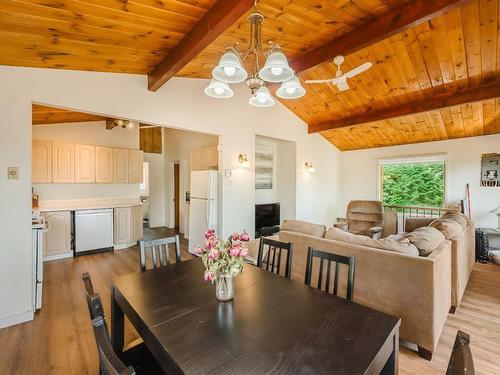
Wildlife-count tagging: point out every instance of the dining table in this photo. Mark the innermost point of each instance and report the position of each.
(273, 325)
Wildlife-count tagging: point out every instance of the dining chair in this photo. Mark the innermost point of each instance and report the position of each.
(274, 251)
(461, 357)
(329, 258)
(138, 358)
(160, 252)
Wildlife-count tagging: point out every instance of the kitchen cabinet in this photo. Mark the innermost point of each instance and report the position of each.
(63, 163)
(58, 236)
(135, 160)
(41, 162)
(127, 224)
(84, 164)
(103, 165)
(204, 159)
(120, 165)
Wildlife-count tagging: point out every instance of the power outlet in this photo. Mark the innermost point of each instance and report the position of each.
(13, 173)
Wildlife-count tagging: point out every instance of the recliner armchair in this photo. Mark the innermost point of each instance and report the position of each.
(365, 218)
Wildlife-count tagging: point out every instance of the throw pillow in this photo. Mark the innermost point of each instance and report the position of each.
(457, 216)
(426, 239)
(448, 227)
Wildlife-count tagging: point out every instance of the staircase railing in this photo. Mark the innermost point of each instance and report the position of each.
(403, 212)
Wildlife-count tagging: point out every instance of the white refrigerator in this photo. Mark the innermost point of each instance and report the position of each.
(203, 206)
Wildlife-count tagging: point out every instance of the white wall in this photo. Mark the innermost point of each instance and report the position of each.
(94, 133)
(284, 179)
(156, 200)
(360, 172)
(179, 104)
(178, 145)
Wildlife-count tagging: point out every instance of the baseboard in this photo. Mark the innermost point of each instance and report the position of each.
(16, 319)
(48, 258)
(123, 246)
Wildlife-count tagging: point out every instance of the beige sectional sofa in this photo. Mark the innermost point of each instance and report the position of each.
(462, 239)
(416, 289)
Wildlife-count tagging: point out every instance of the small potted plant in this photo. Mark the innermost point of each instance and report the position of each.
(223, 260)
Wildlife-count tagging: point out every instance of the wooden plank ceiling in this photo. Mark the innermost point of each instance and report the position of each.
(457, 49)
(49, 115)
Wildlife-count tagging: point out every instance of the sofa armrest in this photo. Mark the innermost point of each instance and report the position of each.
(375, 232)
(413, 223)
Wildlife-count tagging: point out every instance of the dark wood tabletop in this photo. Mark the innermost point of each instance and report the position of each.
(273, 325)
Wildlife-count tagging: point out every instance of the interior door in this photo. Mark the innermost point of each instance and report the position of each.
(176, 195)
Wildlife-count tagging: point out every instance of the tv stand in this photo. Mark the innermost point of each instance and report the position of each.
(266, 231)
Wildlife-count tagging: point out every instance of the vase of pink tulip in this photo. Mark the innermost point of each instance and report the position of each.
(223, 261)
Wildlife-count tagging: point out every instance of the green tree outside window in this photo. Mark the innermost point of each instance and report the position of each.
(420, 184)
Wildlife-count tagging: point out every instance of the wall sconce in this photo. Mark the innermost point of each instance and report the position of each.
(243, 160)
(309, 167)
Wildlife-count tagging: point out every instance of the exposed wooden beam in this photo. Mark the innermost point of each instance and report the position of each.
(399, 18)
(431, 100)
(217, 20)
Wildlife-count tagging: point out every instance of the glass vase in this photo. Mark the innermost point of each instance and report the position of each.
(224, 288)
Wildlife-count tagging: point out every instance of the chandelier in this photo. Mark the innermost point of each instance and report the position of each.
(275, 70)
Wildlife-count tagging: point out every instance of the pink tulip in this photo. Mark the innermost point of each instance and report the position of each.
(213, 254)
(210, 233)
(234, 251)
(208, 276)
(243, 252)
(235, 236)
(208, 244)
(198, 250)
(245, 237)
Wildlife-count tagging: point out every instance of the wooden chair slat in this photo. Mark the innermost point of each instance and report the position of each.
(275, 249)
(160, 252)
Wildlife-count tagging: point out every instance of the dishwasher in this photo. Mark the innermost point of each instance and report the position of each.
(93, 230)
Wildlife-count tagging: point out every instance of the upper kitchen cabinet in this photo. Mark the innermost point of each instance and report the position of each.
(204, 159)
(135, 160)
(103, 165)
(84, 164)
(63, 163)
(120, 166)
(41, 170)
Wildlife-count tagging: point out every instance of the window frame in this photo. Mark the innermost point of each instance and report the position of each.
(421, 159)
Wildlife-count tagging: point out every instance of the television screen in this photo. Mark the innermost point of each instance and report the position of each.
(267, 215)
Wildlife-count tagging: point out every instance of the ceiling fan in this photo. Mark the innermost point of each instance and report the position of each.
(340, 79)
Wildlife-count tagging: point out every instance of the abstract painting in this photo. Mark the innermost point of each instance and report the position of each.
(264, 166)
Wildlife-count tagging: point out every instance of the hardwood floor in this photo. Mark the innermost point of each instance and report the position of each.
(60, 339)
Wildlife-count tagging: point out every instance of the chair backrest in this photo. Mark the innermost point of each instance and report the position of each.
(109, 362)
(272, 258)
(329, 258)
(363, 215)
(160, 252)
(461, 357)
(95, 309)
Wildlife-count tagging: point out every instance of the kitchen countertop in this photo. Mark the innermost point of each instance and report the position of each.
(86, 204)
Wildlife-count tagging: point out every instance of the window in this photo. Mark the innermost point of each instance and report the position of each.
(413, 182)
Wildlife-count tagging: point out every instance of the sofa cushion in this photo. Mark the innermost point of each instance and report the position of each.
(448, 227)
(426, 239)
(305, 227)
(457, 216)
(388, 244)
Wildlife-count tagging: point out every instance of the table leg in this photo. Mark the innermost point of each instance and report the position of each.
(392, 365)
(117, 324)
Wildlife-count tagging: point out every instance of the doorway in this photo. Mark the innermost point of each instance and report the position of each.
(177, 189)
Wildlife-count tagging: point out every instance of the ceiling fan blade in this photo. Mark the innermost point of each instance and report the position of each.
(342, 84)
(318, 80)
(358, 70)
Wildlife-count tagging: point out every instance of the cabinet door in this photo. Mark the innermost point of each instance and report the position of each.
(103, 165)
(135, 160)
(58, 236)
(63, 163)
(41, 164)
(196, 161)
(137, 223)
(123, 225)
(84, 164)
(212, 157)
(120, 165)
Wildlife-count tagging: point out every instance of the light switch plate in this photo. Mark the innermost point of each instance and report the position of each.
(13, 173)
